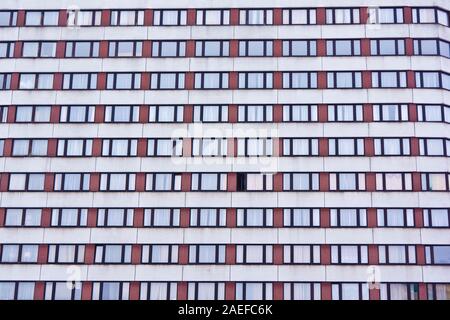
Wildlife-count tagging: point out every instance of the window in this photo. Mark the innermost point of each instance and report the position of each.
(300, 113)
(26, 182)
(255, 113)
(168, 49)
(74, 147)
(112, 253)
(436, 218)
(435, 181)
(6, 48)
(299, 48)
(163, 182)
(68, 217)
(82, 18)
(348, 217)
(80, 81)
(77, 114)
(119, 147)
(117, 182)
(32, 114)
(165, 114)
(212, 48)
(22, 217)
(255, 80)
(254, 182)
(254, 291)
(395, 217)
(301, 254)
(125, 49)
(301, 291)
(206, 254)
(72, 182)
(389, 79)
(19, 253)
(127, 17)
(16, 290)
(299, 80)
(170, 17)
(300, 147)
(254, 217)
(167, 81)
(434, 147)
(62, 291)
(39, 50)
(301, 217)
(209, 147)
(159, 253)
(64, 253)
(392, 146)
(390, 112)
(161, 217)
(123, 81)
(347, 181)
(29, 148)
(299, 16)
(5, 81)
(344, 80)
(158, 291)
(213, 17)
(387, 47)
(431, 47)
(110, 290)
(115, 217)
(343, 47)
(300, 181)
(426, 79)
(346, 147)
(393, 181)
(8, 18)
(209, 182)
(342, 16)
(349, 291)
(385, 15)
(256, 17)
(399, 291)
(349, 254)
(437, 254)
(41, 18)
(165, 147)
(82, 49)
(208, 217)
(122, 114)
(255, 48)
(210, 113)
(438, 291)
(397, 254)
(206, 291)
(254, 147)
(429, 15)
(39, 81)
(253, 254)
(211, 80)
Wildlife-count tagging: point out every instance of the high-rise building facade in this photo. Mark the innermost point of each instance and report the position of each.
(225, 149)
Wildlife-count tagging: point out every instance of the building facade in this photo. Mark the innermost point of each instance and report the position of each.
(225, 149)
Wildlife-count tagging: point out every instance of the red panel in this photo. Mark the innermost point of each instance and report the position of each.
(191, 17)
(190, 48)
(101, 81)
(58, 81)
(324, 217)
(183, 254)
(230, 290)
(46, 217)
(412, 108)
(4, 181)
(369, 150)
(321, 48)
(42, 254)
(277, 16)
(18, 49)
(230, 256)
(367, 112)
(188, 113)
(51, 148)
(21, 18)
(106, 17)
(234, 17)
(370, 181)
(278, 80)
(409, 47)
(39, 287)
(322, 80)
(7, 148)
(143, 114)
(278, 113)
(411, 79)
(184, 217)
(363, 14)
(374, 294)
(48, 182)
(231, 217)
(324, 184)
(371, 218)
(103, 51)
(277, 147)
(54, 114)
(138, 218)
(231, 144)
(423, 291)
(11, 114)
(2, 217)
(278, 291)
(89, 254)
(418, 217)
(232, 113)
(277, 254)
(365, 47)
(140, 182)
(407, 11)
(233, 80)
(321, 16)
(14, 81)
(146, 49)
(322, 114)
(325, 290)
(278, 182)
(136, 251)
(325, 254)
(97, 147)
(373, 254)
(62, 18)
(278, 218)
(232, 182)
(416, 181)
(367, 79)
(185, 181)
(414, 146)
(182, 291)
(420, 251)
(148, 17)
(323, 147)
(189, 80)
(99, 114)
(134, 290)
(91, 220)
(94, 183)
(277, 48)
(187, 147)
(234, 48)
(86, 291)
(142, 147)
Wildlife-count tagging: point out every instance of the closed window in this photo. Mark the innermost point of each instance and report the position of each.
(69, 217)
(158, 291)
(389, 79)
(62, 291)
(41, 18)
(254, 254)
(347, 181)
(387, 47)
(165, 147)
(434, 147)
(80, 81)
(19, 253)
(209, 147)
(81, 18)
(125, 49)
(82, 49)
(397, 254)
(211, 80)
(119, 147)
(299, 16)
(254, 147)
(5, 81)
(255, 48)
(112, 253)
(127, 17)
(256, 17)
(343, 47)
(212, 48)
(254, 291)
(254, 182)
(395, 217)
(39, 49)
(300, 113)
(167, 81)
(209, 182)
(299, 48)
(435, 181)
(110, 290)
(8, 18)
(77, 114)
(206, 254)
(299, 80)
(254, 217)
(349, 291)
(16, 290)
(390, 112)
(163, 182)
(6, 48)
(72, 182)
(300, 147)
(206, 291)
(210, 113)
(207, 217)
(301, 254)
(437, 254)
(22, 217)
(117, 182)
(349, 254)
(399, 291)
(74, 148)
(438, 291)
(301, 217)
(26, 182)
(255, 80)
(159, 253)
(301, 291)
(342, 16)
(393, 181)
(348, 218)
(436, 217)
(123, 81)
(112, 217)
(168, 49)
(429, 15)
(165, 114)
(39, 81)
(431, 47)
(430, 79)
(29, 148)
(300, 181)
(161, 217)
(385, 15)
(392, 146)
(213, 17)
(346, 147)
(344, 80)
(65, 253)
(121, 114)
(169, 17)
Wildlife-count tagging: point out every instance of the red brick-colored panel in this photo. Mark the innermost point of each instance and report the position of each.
(146, 49)
(374, 294)
(7, 147)
(101, 81)
(234, 17)
(363, 15)
(277, 149)
(409, 47)
(97, 147)
(407, 13)
(412, 112)
(185, 217)
(140, 182)
(277, 254)
(148, 17)
(416, 181)
(322, 114)
(54, 114)
(325, 290)
(278, 80)
(369, 150)
(277, 16)
(189, 80)
(134, 290)
(142, 147)
(94, 182)
(321, 16)
(138, 218)
(136, 251)
(230, 290)
(277, 113)
(324, 217)
(39, 287)
(231, 217)
(183, 254)
(233, 82)
(325, 254)
(57, 81)
(60, 49)
(48, 182)
(278, 182)
(15, 81)
(2, 216)
(232, 182)
(423, 291)
(278, 292)
(277, 48)
(373, 254)
(91, 220)
(323, 147)
(232, 113)
(86, 291)
(143, 114)
(89, 254)
(20, 18)
(410, 75)
(187, 147)
(370, 181)
(42, 254)
(365, 47)
(372, 218)
(230, 256)
(182, 290)
(99, 114)
(420, 252)
(418, 218)
(367, 79)
(322, 80)
(278, 220)
(106, 18)
(367, 112)
(4, 182)
(190, 48)
(188, 113)
(46, 217)
(62, 19)
(321, 48)
(231, 143)
(191, 17)
(414, 146)
(11, 114)
(324, 181)
(234, 48)
(185, 182)
(103, 51)
(51, 147)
